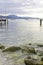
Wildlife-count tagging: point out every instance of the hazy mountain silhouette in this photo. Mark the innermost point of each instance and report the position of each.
(16, 17)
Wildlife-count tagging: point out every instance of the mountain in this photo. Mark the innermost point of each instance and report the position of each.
(9, 16)
(13, 17)
(16, 17)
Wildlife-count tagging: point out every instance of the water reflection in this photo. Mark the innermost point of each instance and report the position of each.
(21, 31)
(3, 25)
(40, 22)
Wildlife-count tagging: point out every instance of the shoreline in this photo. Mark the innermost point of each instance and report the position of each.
(19, 54)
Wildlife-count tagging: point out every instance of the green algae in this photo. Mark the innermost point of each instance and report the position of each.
(11, 49)
(17, 55)
(2, 46)
(28, 50)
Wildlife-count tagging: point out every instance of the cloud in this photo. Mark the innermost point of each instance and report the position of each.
(28, 7)
(11, 1)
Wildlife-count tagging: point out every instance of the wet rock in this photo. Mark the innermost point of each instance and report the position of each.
(29, 50)
(42, 59)
(2, 47)
(28, 57)
(30, 43)
(11, 49)
(30, 61)
(40, 53)
(32, 50)
(40, 45)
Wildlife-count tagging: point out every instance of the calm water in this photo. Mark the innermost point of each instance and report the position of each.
(21, 32)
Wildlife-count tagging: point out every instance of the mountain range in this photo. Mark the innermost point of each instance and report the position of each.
(16, 17)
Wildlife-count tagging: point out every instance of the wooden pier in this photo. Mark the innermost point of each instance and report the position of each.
(40, 22)
(2, 19)
(5, 20)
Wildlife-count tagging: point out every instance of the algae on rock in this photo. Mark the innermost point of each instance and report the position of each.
(2, 46)
(11, 49)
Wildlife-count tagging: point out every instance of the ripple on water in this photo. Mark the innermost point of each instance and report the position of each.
(15, 58)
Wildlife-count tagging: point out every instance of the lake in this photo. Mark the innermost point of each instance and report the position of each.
(21, 31)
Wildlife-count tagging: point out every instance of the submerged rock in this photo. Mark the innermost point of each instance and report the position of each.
(11, 49)
(40, 45)
(30, 43)
(41, 58)
(2, 46)
(40, 53)
(30, 61)
(28, 50)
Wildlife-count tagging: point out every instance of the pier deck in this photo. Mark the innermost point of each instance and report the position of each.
(3, 20)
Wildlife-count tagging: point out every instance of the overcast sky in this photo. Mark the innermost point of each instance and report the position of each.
(22, 7)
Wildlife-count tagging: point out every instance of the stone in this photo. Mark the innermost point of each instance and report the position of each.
(42, 59)
(11, 49)
(30, 61)
(29, 50)
(2, 47)
(30, 44)
(40, 45)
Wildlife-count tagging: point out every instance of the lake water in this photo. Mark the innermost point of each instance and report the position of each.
(21, 31)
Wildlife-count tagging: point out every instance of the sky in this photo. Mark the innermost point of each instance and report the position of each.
(22, 7)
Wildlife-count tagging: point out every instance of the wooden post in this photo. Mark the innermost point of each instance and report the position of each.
(1, 20)
(7, 20)
(40, 22)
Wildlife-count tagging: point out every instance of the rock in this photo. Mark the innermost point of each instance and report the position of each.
(40, 45)
(42, 59)
(29, 50)
(2, 47)
(30, 44)
(28, 57)
(32, 50)
(11, 49)
(40, 53)
(30, 61)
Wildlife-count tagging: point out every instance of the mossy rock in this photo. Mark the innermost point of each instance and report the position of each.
(29, 50)
(11, 49)
(41, 58)
(32, 50)
(2, 47)
(40, 54)
(32, 62)
(30, 43)
(40, 45)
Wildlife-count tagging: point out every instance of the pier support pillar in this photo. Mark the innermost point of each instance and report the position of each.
(6, 20)
(40, 22)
